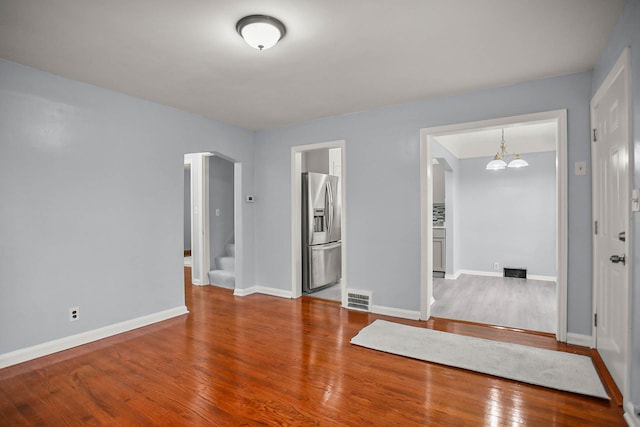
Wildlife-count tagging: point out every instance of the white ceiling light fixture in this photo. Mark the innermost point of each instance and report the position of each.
(499, 162)
(261, 31)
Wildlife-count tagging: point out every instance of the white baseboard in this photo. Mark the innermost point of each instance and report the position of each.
(631, 416)
(453, 276)
(500, 273)
(544, 278)
(396, 312)
(579, 339)
(50, 347)
(480, 273)
(263, 290)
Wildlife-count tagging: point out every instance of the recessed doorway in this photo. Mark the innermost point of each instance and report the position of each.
(498, 215)
(325, 160)
(215, 219)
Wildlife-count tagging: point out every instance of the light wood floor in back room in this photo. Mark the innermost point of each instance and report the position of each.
(505, 301)
(261, 360)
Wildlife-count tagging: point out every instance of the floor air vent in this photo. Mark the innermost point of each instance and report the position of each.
(518, 273)
(359, 300)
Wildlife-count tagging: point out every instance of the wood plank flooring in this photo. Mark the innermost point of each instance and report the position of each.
(260, 360)
(505, 301)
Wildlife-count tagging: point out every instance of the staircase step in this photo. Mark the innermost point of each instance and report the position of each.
(226, 263)
(223, 278)
(231, 249)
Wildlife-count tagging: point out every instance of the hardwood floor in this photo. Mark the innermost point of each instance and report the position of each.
(261, 360)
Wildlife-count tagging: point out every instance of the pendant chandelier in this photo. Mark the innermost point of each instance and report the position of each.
(499, 161)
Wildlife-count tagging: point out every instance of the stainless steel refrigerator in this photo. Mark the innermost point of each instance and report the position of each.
(321, 219)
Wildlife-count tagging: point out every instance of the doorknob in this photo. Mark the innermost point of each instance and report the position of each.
(616, 259)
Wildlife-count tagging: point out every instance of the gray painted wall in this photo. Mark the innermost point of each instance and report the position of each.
(187, 209)
(220, 197)
(438, 184)
(627, 33)
(508, 216)
(95, 219)
(383, 182)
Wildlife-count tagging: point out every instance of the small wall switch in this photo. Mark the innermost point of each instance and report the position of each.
(581, 168)
(217, 212)
(635, 200)
(250, 199)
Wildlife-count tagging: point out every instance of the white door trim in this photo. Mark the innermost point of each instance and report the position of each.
(205, 240)
(200, 216)
(426, 200)
(622, 65)
(296, 220)
(189, 162)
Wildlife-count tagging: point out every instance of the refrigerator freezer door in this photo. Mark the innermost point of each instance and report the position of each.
(321, 211)
(324, 266)
(315, 208)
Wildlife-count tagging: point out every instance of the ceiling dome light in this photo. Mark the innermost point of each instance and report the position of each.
(261, 31)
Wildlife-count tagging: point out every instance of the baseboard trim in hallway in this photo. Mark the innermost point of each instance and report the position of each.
(262, 290)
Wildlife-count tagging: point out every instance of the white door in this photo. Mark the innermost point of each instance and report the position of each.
(610, 160)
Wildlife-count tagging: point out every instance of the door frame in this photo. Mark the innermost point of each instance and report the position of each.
(296, 215)
(622, 66)
(427, 135)
(200, 216)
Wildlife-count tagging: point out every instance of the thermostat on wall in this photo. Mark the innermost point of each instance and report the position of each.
(250, 199)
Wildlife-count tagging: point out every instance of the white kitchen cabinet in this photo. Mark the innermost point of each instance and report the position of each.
(439, 250)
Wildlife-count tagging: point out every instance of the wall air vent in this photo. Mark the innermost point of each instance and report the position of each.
(359, 300)
(518, 273)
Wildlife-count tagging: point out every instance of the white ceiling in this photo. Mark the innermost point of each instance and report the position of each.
(339, 56)
(519, 139)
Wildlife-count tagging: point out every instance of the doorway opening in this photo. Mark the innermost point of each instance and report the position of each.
(449, 235)
(324, 159)
(215, 213)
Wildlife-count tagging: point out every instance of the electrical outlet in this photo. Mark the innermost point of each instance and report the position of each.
(74, 314)
(496, 266)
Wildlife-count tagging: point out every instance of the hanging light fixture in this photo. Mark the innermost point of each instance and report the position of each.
(261, 31)
(499, 161)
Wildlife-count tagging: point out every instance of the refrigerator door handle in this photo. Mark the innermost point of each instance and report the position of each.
(326, 246)
(330, 209)
(310, 221)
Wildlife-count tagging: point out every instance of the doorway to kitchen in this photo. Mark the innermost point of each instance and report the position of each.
(499, 205)
(324, 163)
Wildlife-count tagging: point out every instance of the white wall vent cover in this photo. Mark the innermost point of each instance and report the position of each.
(359, 300)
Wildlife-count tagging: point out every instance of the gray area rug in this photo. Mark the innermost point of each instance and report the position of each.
(547, 368)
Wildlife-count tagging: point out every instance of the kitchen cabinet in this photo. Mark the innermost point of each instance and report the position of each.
(439, 250)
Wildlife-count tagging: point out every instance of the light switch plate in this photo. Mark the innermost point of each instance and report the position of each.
(581, 168)
(635, 200)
